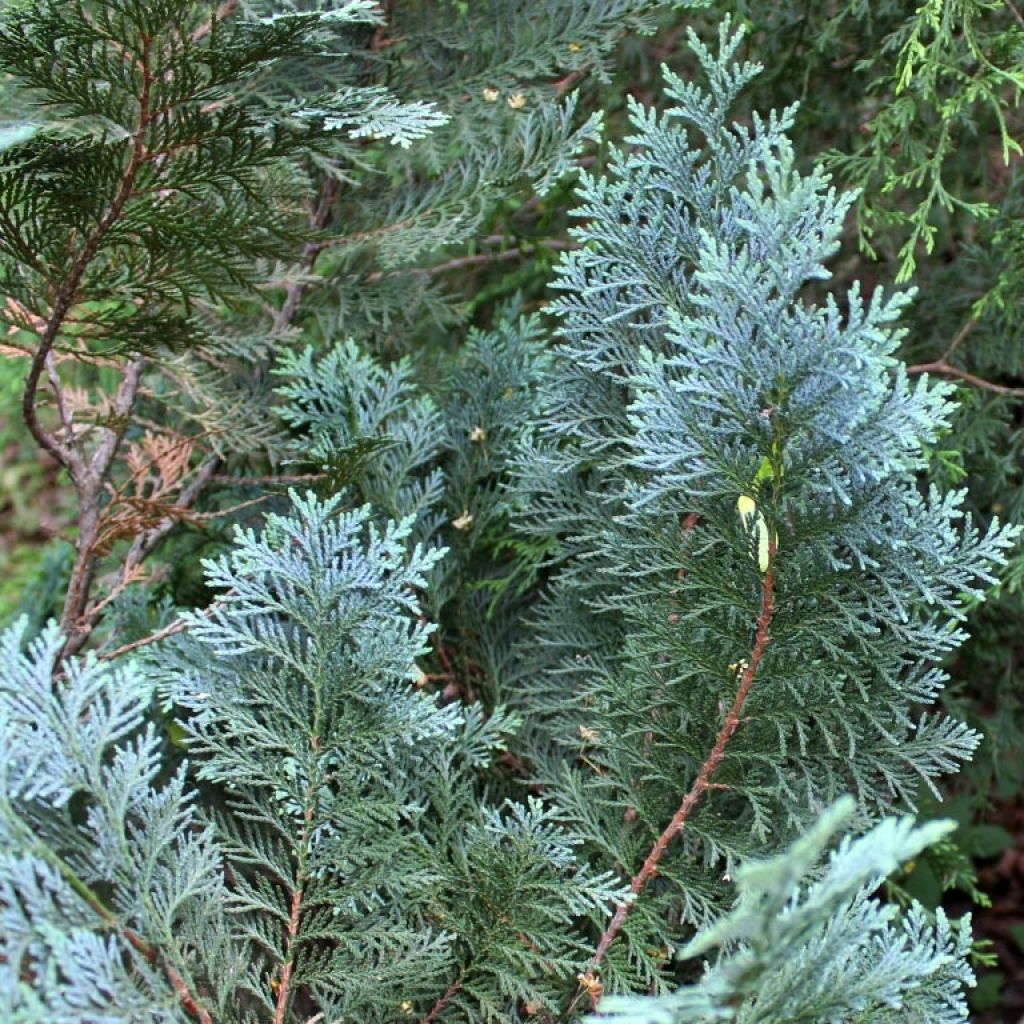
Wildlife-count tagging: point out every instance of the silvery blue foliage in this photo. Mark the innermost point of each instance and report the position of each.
(806, 943)
(109, 885)
(327, 847)
(368, 426)
(722, 488)
(369, 871)
(718, 428)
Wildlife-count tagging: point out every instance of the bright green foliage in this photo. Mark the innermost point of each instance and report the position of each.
(914, 100)
(945, 67)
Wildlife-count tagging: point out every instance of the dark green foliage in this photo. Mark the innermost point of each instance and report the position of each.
(154, 188)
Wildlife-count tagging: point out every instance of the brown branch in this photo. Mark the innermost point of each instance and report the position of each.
(178, 626)
(266, 481)
(317, 219)
(295, 913)
(438, 1007)
(564, 84)
(961, 336)
(943, 369)
(172, 629)
(124, 402)
(284, 988)
(76, 465)
(67, 293)
(75, 624)
(224, 11)
(150, 953)
(144, 545)
(1018, 17)
(704, 781)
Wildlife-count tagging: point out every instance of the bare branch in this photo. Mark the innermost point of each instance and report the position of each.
(482, 259)
(144, 545)
(317, 219)
(124, 402)
(75, 463)
(1017, 16)
(943, 369)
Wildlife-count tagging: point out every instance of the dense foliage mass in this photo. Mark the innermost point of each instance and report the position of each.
(510, 555)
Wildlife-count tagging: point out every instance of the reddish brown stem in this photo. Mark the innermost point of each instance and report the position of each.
(178, 626)
(318, 219)
(1017, 16)
(90, 474)
(438, 1007)
(67, 293)
(944, 369)
(295, 914)
(224, 11)
(703, 782)
(145, 949)
(284, 989)
(191, 1006)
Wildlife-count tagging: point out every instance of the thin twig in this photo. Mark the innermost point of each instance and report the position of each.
(317, 220)
(171, 629)
(480, 259)
(438, 1007)
(515, 253)
(1018, 17)
(124, 402)
(177, 626)
(67, 293)
(943, 369)
(150, 953)
(76, 465)
(266, 481)
(961, 336)
(144, 545)
(704, 781)
(291, 941)
(224, 11)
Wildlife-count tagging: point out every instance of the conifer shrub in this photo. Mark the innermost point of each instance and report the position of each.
(548, 686)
